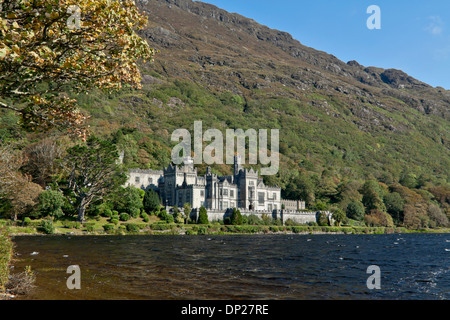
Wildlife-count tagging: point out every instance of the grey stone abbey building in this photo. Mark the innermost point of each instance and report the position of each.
(244, 189)
(179, 185)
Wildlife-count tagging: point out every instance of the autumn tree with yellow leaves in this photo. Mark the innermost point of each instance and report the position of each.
(49, 48)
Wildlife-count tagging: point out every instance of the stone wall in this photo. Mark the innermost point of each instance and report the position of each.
(293, 204)
(299, 217)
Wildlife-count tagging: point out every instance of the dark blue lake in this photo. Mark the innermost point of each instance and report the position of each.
(272, 267)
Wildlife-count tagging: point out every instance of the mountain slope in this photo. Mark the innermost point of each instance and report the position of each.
(231, 72)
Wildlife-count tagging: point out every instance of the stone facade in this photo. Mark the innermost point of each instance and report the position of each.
(179, 185)
(293, 205)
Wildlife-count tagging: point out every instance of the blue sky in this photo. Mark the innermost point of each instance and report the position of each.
(414, 35)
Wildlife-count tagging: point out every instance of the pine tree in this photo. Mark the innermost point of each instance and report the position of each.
(151, 201)
(203, 216)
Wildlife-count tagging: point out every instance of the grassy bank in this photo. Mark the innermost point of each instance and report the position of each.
(154, 225)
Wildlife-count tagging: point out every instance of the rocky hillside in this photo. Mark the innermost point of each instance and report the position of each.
(210, 37)
(232, 72)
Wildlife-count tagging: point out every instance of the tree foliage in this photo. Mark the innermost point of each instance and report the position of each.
(151, 201)
(51, 203)
(51, 47)
(236, 217)
(355, 210)
(203, 216)
(93, 172)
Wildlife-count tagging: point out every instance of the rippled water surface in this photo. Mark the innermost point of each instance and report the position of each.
(413, 266)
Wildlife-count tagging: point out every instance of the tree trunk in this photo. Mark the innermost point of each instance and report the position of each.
(82, 209)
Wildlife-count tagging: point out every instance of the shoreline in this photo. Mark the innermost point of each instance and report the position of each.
(235, 232)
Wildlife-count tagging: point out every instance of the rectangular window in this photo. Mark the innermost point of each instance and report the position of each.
(274, 196)
(251, 192)
(270, 207)
(261, 197)
(202, 193)
(150, 180)
(231, 193)
(137, 180)
(225, 192)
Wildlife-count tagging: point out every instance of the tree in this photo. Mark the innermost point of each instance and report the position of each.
(151, 201)
(394, 205)
(437, 216)
(10, 162)
(203, 216)
(236, 217)
(300, 188)
(93, 172)
(348, 191)
(355, 210)
(18, 189)
(187, 211)
(378, 218)
(41, 160)
(322, 219)
(24, 197)
(51, 203)
(338, 216)
(408, 179)
(128, 199)
(52, 47)
(372, 195)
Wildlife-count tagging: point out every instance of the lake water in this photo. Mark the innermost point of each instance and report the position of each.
(272, 267)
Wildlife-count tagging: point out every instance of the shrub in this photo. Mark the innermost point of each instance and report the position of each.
(107, 213)
(6, 251)
(115, 221)
(161, 226)
(168, 218)
(108, 227)
(290, 222)
(26, 221)
(145, 217)
(273, 229)
(236, 217)
(322, 219)
(135, 213)
(253, 219)
(21, 283)
(202, 230)
(124, 216)
(90, 226)
(132, 227)
(47, 226)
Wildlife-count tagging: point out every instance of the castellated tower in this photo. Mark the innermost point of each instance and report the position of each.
(237, 164)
